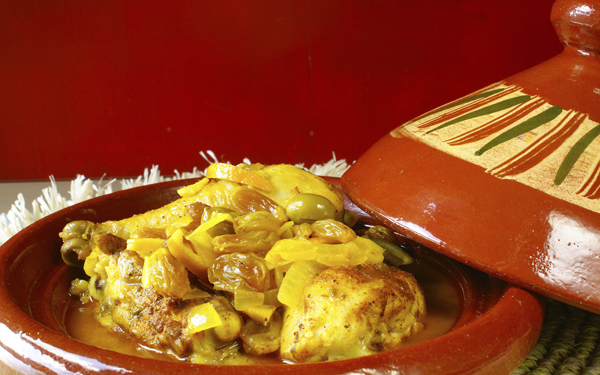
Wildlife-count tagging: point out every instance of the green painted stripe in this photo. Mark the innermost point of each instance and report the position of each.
(528, 125)
(466, 100)
(478, 96)
(486, 110)
(574, 154)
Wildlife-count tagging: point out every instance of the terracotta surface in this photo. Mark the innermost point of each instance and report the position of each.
(497, 327)
(505, 179)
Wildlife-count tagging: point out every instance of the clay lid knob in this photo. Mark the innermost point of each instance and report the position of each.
(577, 24)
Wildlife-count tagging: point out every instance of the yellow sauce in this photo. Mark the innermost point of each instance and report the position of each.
(82, 326)
(442, 299)
(443, 307)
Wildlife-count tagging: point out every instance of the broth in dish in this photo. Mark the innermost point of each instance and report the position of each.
(443, 308)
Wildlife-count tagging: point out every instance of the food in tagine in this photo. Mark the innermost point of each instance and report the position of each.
(251, 260)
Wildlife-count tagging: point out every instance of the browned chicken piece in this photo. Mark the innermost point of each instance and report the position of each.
(352, 311)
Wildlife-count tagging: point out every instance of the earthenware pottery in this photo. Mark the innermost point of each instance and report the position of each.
(496, 327)
(507, 179)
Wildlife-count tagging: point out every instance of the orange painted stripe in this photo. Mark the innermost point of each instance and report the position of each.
(457, 101)
(590, 188)
(497, 124)
(541, 148)
(468, 108)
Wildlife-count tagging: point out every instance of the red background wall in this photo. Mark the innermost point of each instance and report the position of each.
(113, 87)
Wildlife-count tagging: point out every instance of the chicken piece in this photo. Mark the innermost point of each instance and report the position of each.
(349, 312)
(289, 180)
(227, 188)
(282, 181)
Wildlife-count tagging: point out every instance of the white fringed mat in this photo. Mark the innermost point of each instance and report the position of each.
(82, 188)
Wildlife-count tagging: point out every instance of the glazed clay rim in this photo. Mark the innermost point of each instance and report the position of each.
(31, 347)
(60, 355)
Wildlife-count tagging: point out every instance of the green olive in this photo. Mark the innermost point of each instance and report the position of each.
(308, 208)
(74, 251)
(393, 254)
(77, 229)
(350, 218)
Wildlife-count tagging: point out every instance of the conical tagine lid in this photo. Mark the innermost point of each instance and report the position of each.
(507, 179)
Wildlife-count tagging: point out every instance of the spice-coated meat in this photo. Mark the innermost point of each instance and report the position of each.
(352, 311)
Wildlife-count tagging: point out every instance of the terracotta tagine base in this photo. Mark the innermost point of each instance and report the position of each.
(33, 296)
